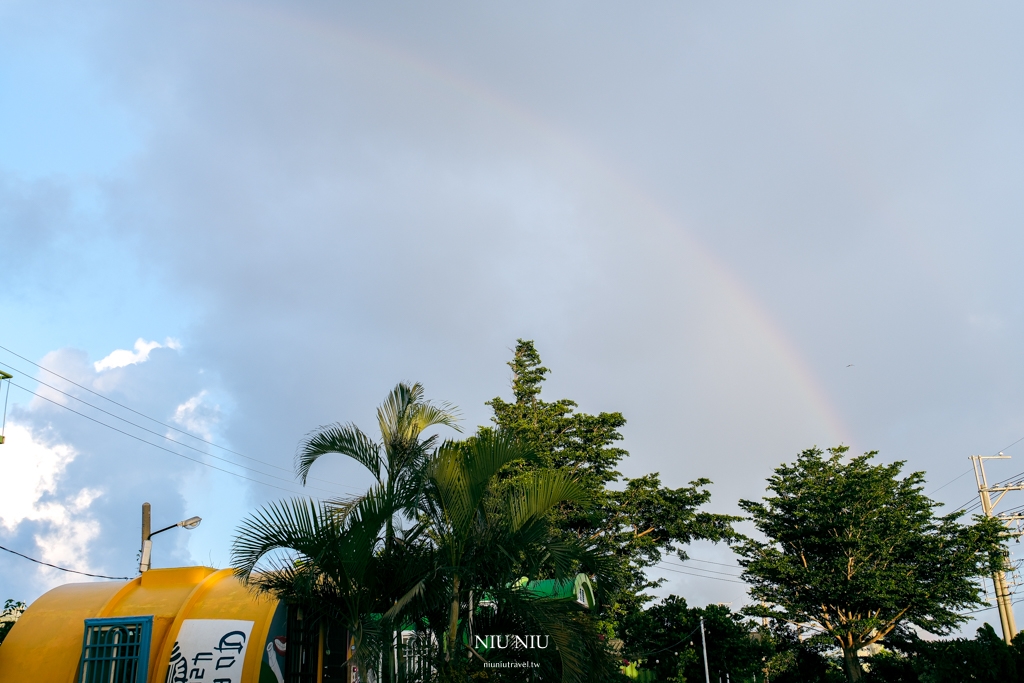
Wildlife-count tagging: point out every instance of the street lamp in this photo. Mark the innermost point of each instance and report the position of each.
(147, 543)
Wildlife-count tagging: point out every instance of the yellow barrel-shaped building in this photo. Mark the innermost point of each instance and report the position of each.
(166, 626)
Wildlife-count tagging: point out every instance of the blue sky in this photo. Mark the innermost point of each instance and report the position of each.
(751, 229)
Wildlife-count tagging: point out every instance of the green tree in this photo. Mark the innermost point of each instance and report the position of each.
(636, 524)
(396, 462)
(422, 553)
(334, 566)
(665, 638)
(398, 459)
(857, 552)
(481, 538)
(9, 616)
(985, 658)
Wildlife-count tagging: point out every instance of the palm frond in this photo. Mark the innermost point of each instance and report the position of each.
(391, 413)
(296, 525)
(533, 496)
(344, 439)
(426, 414)
(404, 414)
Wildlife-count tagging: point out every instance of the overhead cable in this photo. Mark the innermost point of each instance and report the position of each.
(65, 569)
(700, 569)
(703, 576)
(163, 436)
(172, 452)
(966, 472)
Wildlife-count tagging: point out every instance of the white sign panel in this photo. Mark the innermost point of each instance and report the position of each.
(209, 651)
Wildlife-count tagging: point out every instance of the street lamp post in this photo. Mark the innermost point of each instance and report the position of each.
(147, 536)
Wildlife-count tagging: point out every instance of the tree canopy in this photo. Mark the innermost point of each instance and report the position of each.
(857, 551)
(425, 546)
(635, 521)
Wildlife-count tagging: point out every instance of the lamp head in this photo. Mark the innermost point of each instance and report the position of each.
(190, 523)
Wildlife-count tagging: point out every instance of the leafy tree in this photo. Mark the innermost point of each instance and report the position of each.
(397, 461)
(858, 552)
(9, 616)
(665, 638)
(335, 567)
(423, 546)
(482, 538)
(986, 658)
(636, 524)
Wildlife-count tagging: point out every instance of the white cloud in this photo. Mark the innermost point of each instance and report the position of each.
(119, 358)
(67, 541)
(31, 474)
(196, 416)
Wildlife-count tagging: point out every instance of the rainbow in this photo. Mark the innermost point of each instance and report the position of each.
(432, 75)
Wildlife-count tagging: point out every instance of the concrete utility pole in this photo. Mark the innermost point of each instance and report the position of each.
(1002, 589)
(704, 644)
(146, 557)
(147, 545)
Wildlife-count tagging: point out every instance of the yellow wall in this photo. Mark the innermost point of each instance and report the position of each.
(46, 644)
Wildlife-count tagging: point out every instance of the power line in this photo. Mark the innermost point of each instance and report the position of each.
(985, 609)
(1005, 448)
(710, 571)
(966, 472)
(163, 436)
(720, 564)
(968, 506)
(1015, 477)
(172, 452)
(728, 581)
(94, 393)
(65, 569)
(667, 647)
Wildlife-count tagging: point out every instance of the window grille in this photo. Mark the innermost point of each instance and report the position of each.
(116, 650)
(302, 660)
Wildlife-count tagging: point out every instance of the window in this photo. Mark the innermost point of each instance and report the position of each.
(302, 659)
(116, 650)
(315, 652)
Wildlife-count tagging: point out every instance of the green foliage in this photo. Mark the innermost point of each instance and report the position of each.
(665, 638)
(9, 616)
(986, 658)
(422, 547)
(857, 551)
(637, 524)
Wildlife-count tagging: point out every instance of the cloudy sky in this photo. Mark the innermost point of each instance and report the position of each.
(751, 228)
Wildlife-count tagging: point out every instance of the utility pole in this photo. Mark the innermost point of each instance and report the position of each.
(704, 644)
(3, 421)
(146, 556)
(147, 545)
(1002, 589)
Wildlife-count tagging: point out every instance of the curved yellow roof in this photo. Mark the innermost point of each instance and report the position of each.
(45, 644)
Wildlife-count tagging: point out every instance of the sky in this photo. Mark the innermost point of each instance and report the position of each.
(751, 228)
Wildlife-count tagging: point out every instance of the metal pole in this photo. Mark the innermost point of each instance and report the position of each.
(704, 645)
(1002, 590)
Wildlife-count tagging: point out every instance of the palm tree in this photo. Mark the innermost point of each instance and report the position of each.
(333, 567)
(397, 461)
(349, 564)
(484, 539)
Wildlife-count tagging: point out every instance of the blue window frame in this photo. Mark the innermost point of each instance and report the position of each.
(116, 650)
